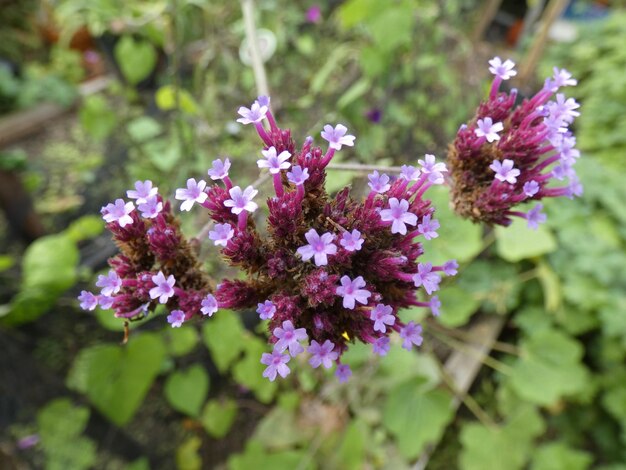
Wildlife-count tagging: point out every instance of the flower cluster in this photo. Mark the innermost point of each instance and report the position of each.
(511, 154)
(156, 264)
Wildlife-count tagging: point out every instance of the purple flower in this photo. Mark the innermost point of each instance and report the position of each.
(118, 212)
(209, 305)
(337, 137)
(450, 268)
(505, 171)
(176, 318)
(564, 108)
(322, 354)
(276, 364)
(381, 346)
(219, 169)
(351, 241)
(378, 183)
(426, 277)
(150, 208)
(412, 335)
(221, 234)
(314, 14)
(298, 175)
(110, 283)
(192, 194)
(289, 338)
(351, 292)
(399, 214)
(433, 169)
(343, 372)
(266, 310)
(382, 315)
(531, 188)
(88, 301)
(486, 128)
(241, 200)
(274, 162)
(504, 70)
(435, 305)
(318, 247)
(164, 288)
(410, 173)
(105, 301)
(563, 78)
(428, 227)
(28, 441)
(256, 113)
(535, 217)
(143, 190)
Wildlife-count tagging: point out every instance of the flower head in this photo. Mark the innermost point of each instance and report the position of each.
(319, 247)
(322, 354)
(488, 129)
(351, 241)
(314, 14)
(337, 137)
(142, 192)
(274, 162)
(276, 363)
(176, 318)
(221, 234)
(164, 287)
(118, 212)
(398, 213)
(266, 310)
(219, 169)
(351, 291)
(192, 194)
(241, 200)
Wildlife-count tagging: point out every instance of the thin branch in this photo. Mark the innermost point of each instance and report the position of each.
(363, 168)
(247, 8)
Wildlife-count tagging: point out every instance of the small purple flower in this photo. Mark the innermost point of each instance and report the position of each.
(314, 14)
(535, 217)
(266, 310)
(176, 318)
(298, 175)
(435, 305)
(531, 188)
(164, 288)
(399, 214)
(222, 234)
(322, 354)
(505, 171)
(563, 78)
(412, 335)
(575, 188)
(118, 212)
(219, 170)
(450, 268)
(256, 113)
(28, 441)
(289, 338)
(150, 208)
(276, 363)
(351, 241)
(143, 190)
(428, 227)
(410, 173)
(381, 346)
(88, 301)
(343, 372)
(488, 129)
(192, 194)
(565, 108)
(105, 301)
(337, 137)
(504, 70)
(426, 277)
(351, 291)
(378, 183)
(264, 100)
(274, 162)
(241, 200)
(209, 305)
(433, 169)
(374, 115)
(110, 283)
(319, 247)
(382, 315)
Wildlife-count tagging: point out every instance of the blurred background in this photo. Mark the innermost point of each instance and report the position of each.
(526, 366)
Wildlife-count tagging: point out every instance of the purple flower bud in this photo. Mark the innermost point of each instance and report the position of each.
(343, 372)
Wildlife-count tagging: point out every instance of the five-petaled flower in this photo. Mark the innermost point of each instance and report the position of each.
(535, 217)
(428, 227)
(289, 337)
(322, 354)
(505, 171)
(382, 315)
(276, 363)
(194, 192)
(142, 192)
(256, 113)
(176, 318)
(150, 207)
(343, 372)
(351, 291)
(426, 277)
(88, 301)
(266, 310)
(319, 247)
(351, 241)
(411, 333)
(274, 162)
(241, 200)
(209, 305)
(504, 70)
(378, 183)
(222, 234)
(337, 137)
(164, 287)
(298, 175)
(219, 169)
(398, 213)
(488, 129)
(118, 212)
(110, 283)
(381, 346)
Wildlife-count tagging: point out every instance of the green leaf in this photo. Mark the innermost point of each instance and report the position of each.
(552, 291)
(188, 454)
(495, 283)
(353, 12)
(166, 99)
(218, 416)
(255, 456)
(117, 378)
(500, 447)
(6, 262)
(387, 39)
(187, 390)
(85, 228)
(416, 418)
(180, 341)
(143, 128)
(249, 371)
(517, 242)
(353, 447)
(280, 430)
(549, 368)
(223, 335)
(136, 58)
(559, 456)
(353, 93)
(97, 117)
(457, 306)
(50, 262)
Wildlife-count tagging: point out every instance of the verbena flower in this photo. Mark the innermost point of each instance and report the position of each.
(510, 154)
(194, 192)
(276, 363)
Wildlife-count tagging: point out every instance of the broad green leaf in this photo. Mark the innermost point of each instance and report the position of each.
(255, 456)
(186, 390)
(457, 305)
(97, 117)
(549, 368)
(117, 378)
(494, 283)
(416, 418)
(218, 416)
(353, 12)
(188, 454)
(223, 335)
(88, 226)
(136, 58)
(143, 128)
(166, 99)
(180, 341)
(403, 20)
(517, 242)
(559, 456)
(50, 262)
(353, 447)
(249, 371)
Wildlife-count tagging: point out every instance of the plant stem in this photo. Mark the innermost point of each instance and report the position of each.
(247, 8)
